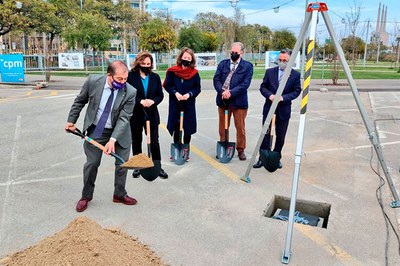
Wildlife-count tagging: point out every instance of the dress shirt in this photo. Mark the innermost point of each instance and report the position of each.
(103, 101)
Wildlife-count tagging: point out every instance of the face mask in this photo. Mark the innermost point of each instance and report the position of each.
(282, 65)
(117, 85)
(234, 56)
(186, 63)
(145, 70)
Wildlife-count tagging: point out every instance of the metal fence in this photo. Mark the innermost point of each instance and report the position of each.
(37, 62)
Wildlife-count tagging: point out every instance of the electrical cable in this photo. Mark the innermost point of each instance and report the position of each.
(378, 194)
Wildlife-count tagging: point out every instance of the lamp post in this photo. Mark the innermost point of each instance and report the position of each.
(398, 52)
(366, 44)
(81, 5)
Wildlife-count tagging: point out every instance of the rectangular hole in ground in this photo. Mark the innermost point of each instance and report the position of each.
(306, 212)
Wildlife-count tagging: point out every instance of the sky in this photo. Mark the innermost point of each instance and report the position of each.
(291, 13)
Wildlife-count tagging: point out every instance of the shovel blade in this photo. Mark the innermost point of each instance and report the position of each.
(225, 151)
(151, 173)
(179, 153)
(270, 159)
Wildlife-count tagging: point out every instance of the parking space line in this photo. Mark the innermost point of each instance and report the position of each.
(11, 173)
(21, 182)
(217, 165)
(335, 251)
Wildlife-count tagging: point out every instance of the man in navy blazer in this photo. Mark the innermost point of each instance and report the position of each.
(268, 89)
(231, 81)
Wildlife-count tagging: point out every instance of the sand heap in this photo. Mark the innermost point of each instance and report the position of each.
(84, 242)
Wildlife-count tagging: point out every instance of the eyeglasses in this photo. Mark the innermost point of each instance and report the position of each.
(283, 60)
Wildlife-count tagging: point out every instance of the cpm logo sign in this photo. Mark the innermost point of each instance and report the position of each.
(12, 68)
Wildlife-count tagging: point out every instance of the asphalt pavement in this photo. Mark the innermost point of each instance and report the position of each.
(203, 214)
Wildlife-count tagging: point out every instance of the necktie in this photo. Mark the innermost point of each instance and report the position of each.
(229, 77)
(280, 76)
(98, 131)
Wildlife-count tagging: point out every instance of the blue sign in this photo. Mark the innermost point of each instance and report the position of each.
(12, 68)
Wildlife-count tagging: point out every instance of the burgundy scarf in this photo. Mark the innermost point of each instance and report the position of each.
(185, 74)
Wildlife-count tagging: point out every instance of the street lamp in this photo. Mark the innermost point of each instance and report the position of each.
(233, 3)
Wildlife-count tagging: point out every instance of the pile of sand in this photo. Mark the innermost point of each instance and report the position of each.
(84, 242)
(138, 161)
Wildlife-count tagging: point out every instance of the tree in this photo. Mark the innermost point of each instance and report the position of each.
(255, 38)
(283, 39)
(353, 45)
(214, 25)
(191, 37)
(157, 36)
(210, 41)
(91, 30)
(352, 20)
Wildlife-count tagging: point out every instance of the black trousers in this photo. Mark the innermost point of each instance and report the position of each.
(186, 137)
(281, 127)
(137, 138)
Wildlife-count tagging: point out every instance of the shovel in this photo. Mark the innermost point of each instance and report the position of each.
(225, 149)
(150, 173)
(79, 133)
(180, 151)
(270, 159)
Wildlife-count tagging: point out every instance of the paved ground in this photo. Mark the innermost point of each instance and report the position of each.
(203, 214)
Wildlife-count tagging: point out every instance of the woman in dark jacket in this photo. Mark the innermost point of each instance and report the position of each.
(149, 95)
(182, 82)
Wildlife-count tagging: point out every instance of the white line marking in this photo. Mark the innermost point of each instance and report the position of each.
(60, 96)
(330, 191)
(40, 180)
(351, 148)
(47, 168)
(11, 174)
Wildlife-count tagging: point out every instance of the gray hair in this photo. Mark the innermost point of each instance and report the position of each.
(240, 44)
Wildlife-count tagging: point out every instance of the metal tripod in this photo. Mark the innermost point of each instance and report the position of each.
(311, 20)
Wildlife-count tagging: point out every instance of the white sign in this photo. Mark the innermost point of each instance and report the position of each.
(70, 60)
(130, 59)
(271, 59)
(206, 61)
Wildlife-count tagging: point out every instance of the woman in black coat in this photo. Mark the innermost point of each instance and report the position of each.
(182, 82)
(149, 95)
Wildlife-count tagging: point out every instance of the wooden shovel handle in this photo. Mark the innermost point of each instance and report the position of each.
(148, 131)
(273, 125)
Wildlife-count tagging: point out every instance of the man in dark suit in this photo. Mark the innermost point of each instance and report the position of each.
(110, 104)
(268, 89)
(231, 81)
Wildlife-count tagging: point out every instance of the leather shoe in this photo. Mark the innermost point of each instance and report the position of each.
(258, 164)
(242, 156)
(163, 174)
(82, 204)
(125, 200)
(280, 165)
(135, 173)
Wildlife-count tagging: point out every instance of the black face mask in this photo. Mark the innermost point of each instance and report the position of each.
(234, 56)
(186, 63)
(145, 70)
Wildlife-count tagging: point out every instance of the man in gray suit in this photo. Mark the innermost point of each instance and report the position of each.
(110, 104)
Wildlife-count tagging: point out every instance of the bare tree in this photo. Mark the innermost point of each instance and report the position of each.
(352, 20)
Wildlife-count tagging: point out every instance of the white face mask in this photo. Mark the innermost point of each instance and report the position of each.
(282, 65)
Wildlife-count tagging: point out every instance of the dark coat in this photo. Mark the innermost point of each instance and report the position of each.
(291, 91)
(239, 84)
(173, 84)
(154, 92)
